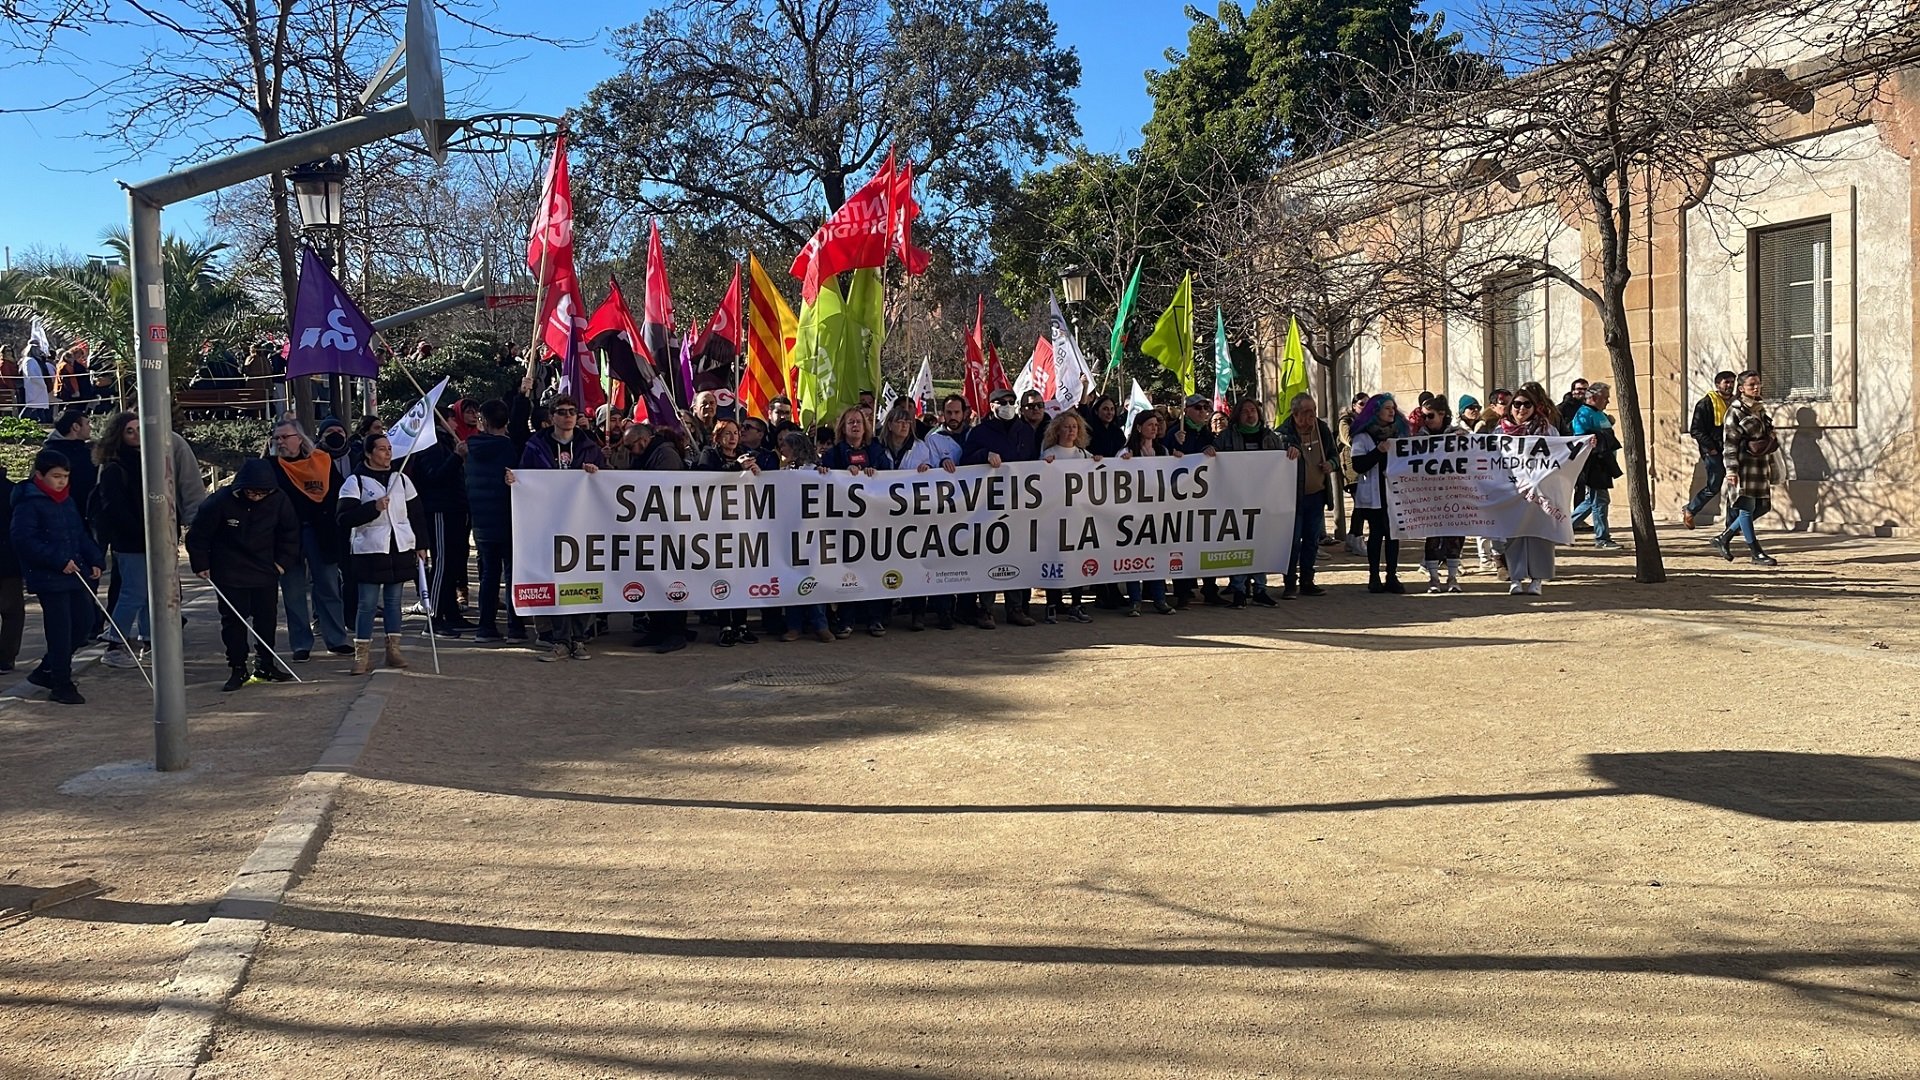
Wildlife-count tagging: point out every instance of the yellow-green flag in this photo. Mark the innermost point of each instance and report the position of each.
(867, 325)
(1293, 369)
(1171, 342)
(818, 347)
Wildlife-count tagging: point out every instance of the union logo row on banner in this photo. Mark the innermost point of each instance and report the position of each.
(638, 541)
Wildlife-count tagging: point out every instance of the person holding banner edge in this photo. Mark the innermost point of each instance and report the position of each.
(1530, 559)
(1310, 442)
(1377, 422)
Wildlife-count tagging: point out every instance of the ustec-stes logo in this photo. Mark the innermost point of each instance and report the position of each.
(533, 595)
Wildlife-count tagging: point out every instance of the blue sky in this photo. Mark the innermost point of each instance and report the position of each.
(57, 188)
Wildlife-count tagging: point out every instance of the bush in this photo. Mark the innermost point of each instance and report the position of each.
(226, 443)
(477, 365)
(19, 429)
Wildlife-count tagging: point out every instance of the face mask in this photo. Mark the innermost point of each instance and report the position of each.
(1006, 410)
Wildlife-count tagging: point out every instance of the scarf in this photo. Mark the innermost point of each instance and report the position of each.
(309, 474)
(59, 496)
(1249, 430)
(1719, 408)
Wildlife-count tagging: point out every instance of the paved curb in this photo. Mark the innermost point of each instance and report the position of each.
(178, 1036)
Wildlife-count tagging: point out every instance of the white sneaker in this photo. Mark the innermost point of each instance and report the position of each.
(1435, 588)
(1533, 588)
(1516, 589)
(119, 656)
(416, 608)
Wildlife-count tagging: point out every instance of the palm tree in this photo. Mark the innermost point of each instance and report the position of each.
(94, 303)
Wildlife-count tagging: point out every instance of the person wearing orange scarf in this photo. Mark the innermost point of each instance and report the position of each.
(311, 587)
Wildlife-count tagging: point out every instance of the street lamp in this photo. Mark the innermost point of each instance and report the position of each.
(319, 190)
(1073, 285)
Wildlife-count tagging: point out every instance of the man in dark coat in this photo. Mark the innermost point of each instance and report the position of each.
(998, 438)
(243, 538)
(439, 471)
(490, 453)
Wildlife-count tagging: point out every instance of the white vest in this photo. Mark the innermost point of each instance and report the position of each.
(383, 533)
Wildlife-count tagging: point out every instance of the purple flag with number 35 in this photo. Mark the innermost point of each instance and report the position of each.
(329, 336)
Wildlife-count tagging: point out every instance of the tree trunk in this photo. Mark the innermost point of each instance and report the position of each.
(1648, 565)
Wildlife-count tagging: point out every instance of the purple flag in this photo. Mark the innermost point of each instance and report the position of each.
(329, 336)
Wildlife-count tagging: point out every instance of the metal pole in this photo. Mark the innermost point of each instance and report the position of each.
(156, 477)
(432, 307)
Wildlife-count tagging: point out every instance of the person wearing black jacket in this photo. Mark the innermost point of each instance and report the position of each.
(117, 519)
(1309, 442)
(243, 538)
(1707, 427)
(661, 452)
(439, 471)
(1194, 433)
(13, 593)
(311, 587)
(60, 563)
(490, 453)
(72, 439)
(998, 438)
(1105, 435)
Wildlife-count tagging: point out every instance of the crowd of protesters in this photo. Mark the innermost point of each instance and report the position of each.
(328, 528)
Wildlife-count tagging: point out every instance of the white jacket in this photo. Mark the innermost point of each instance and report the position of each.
(1368, 492)
(390, 531)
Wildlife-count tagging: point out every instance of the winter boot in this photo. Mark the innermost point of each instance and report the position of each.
(362, 657)
(236, 678)
(394, 659)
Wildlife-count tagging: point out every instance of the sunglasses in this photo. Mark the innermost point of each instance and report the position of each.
(1522, 403)
(1033, 405)
(565, 412)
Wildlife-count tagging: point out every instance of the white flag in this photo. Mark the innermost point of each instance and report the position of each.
(888, 395)
(417, 430)
(1137, 402)
(37, 335)
(921, 390)
(1070, 375)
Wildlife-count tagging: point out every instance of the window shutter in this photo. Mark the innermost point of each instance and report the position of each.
(1794, 293)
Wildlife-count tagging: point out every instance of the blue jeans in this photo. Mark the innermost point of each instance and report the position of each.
(1309, 528)
(130, 611)
(387, 598)
(1155, 591)
(496, 565)
(66, 614)
(1716, 475)
(311, 587)
(1595, 506)
(1743, 521)
(807, 618)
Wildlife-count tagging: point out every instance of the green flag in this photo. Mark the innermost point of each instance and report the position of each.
(1171, 342)
(866, 326)
(818, 349)
(1117, 349)
(1293, 368)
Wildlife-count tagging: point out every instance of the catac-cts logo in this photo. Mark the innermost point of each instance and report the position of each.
(677, 592)
(1004, 572)
(634, 592)
(580, 593)
(765, 589)
(722, 590)
(807, 585)
(892, 579)
(1089, 568)
(533, 595)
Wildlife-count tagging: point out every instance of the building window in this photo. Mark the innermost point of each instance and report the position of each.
(1508, 323)
(1792, 317)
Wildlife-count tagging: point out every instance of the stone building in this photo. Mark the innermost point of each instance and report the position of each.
(1809, 278)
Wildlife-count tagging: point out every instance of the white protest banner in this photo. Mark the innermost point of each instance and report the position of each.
(1497, 486)
(643, 541)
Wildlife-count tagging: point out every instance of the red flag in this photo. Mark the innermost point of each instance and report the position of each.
(550, 244)
(900, 214)
(656, 324)
(855, 236)
(715, 351)
(1040, 370)
(996, 375)
(975, 386)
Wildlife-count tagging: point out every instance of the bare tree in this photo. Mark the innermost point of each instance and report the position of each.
(1617, 108)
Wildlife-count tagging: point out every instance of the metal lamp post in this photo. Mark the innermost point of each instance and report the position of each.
(319, 191)
(1073, 291)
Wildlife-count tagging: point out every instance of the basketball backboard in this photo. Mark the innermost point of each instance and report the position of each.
(426, 90)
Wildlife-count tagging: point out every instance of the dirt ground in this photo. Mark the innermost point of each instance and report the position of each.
(1617, 831)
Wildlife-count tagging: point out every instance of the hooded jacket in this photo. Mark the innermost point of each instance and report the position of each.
(543, 451)
(46, 535)
(119, 520)
(243, 543)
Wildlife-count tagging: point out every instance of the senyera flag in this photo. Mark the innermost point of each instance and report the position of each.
(330, 336)
(771, 330)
